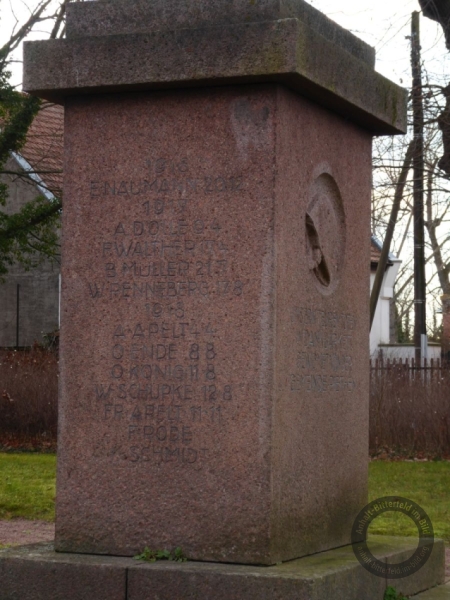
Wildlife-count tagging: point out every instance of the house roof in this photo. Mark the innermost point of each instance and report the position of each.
(43, 149)
(375, 251)
(375, 254)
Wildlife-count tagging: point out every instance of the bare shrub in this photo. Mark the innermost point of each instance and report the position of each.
(28, 397)
(410, 409)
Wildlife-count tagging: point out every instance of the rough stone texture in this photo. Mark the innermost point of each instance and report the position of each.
(214, 351)
(335, 574)
(189, 270)
(141, 16)
(441, 592)
(432, 573)
(286, 51)
(38, 573)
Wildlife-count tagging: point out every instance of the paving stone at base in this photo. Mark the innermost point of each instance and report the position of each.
(442, 592)
(335, 575)
(331, 575)
(37, 572)
(431, 574)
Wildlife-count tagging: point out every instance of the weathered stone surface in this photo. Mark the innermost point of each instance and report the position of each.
(335, 574)
(431, 574)
(286, 51)
(39, 573)
(441, 592)
(140, 16)
(214, 350)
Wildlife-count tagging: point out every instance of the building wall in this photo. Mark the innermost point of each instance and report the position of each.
(381, 332)
(406, 351)
(39, 287)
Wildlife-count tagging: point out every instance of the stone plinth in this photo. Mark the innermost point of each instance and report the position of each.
(38, 573)
(214, 328)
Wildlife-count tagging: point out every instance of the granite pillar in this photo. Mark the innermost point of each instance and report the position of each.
(214, 313)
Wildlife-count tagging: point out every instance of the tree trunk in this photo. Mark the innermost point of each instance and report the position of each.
(431, 225)
(439, 11)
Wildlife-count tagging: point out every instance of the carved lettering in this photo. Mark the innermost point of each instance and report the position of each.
(325, 352)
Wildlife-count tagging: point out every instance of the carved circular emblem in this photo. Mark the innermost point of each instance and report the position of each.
(325, 234)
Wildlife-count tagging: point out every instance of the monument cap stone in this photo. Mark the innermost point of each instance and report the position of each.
(214, 331)
(134, 45)
(113, 17)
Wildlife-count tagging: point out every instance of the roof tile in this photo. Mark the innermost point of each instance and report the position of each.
(44, 146)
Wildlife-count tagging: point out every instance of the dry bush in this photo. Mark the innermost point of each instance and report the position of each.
(28, 398)
(410, 410)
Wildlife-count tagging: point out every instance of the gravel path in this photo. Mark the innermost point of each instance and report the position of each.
(22, 531)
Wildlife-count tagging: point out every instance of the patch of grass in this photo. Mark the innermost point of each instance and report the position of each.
(392, 594)
(427, 483)
(27, 486)
(153, 555)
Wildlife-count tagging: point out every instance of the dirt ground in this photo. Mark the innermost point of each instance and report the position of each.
(21, 531)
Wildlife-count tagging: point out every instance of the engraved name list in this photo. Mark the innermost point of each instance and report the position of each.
(164, 394)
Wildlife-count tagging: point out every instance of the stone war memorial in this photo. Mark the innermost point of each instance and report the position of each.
(214, 314)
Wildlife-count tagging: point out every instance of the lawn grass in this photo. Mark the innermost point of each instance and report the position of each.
(427, 483)
(27, 486)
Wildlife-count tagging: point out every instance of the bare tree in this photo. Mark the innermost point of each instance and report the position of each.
(389, 161)
(439, 11)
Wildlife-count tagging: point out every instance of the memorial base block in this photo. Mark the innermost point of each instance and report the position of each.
(39, 573)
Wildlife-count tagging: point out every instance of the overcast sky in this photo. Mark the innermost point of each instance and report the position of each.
(385, 24)
(382, 23)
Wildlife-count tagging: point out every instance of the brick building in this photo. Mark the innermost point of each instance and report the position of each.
(29, 300)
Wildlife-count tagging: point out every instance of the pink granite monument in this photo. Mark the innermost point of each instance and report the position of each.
(214, 353)
(214, 337)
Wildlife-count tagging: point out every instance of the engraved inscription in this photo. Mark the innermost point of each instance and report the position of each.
(324, 352)
(162, 252)
(163, 387)
(161, 390)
